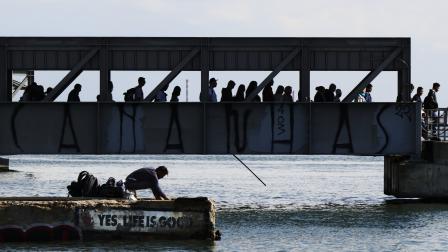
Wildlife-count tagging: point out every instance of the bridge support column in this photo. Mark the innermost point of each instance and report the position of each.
(305, 73)
(404, 85)
(205, 68)
(423, 178)
(105, 92)
(4, 164)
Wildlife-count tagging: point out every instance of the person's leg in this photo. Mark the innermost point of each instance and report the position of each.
(132, 186)
(131, 192)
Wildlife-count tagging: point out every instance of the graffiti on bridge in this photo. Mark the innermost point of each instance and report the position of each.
(282, 120)
(174, 122)
(230, 128)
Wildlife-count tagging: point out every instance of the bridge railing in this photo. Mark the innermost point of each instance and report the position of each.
(435, 124)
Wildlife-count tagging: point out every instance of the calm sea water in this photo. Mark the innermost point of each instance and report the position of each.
(314, 203)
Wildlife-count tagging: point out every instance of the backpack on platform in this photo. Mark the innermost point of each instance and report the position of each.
(86, 186)
(111, 189)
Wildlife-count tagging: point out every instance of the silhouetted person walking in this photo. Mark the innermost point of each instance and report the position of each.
(320, 94)
(430, 101)
(73, 96)
(268, 94)
(226, 93)
(399, 96)
(365, 95)
(34, 92)
(418, 96)
(29, 92)
(39, 93)
(368, 97)
(278, 96)
(251, 88)
(239, 97)
(287, 96)
(299, 96)
(138, 90)
(108, 96)
(337, 98)
(110, 88)
(49, 89)
(161, 95)
(329, 93)
(175, 94)
(211, 96)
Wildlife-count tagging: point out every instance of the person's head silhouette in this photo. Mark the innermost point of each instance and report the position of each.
(141, 81)
(78, 87)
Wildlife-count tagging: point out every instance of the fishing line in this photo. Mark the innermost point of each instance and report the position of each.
(249, 169)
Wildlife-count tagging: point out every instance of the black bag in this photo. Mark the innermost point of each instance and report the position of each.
(74, 189)
(111, 189)
(129, 94)
(86, 186)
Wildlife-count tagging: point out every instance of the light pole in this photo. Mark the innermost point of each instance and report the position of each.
(186, 90)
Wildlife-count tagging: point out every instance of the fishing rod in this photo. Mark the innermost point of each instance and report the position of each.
(249, 169)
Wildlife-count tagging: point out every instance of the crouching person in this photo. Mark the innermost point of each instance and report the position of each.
(145, 178)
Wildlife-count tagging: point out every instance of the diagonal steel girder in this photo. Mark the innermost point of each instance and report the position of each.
(173, 74)
(274, 73)
(71, 76)
(371, 76)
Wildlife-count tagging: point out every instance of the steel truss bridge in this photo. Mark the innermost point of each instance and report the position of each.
(50, 127)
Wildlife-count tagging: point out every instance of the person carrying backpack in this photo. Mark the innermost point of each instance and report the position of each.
(135, 93)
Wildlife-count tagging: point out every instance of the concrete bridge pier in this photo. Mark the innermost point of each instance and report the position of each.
(4, 164)
(426, 177)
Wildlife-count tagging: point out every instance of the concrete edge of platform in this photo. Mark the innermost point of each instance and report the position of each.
(46, 219)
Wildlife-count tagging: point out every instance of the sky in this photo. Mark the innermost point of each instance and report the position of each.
(422, 21)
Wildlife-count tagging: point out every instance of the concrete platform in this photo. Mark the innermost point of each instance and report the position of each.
(46, 219)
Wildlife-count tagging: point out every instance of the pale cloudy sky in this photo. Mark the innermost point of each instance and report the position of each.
(423, 21)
